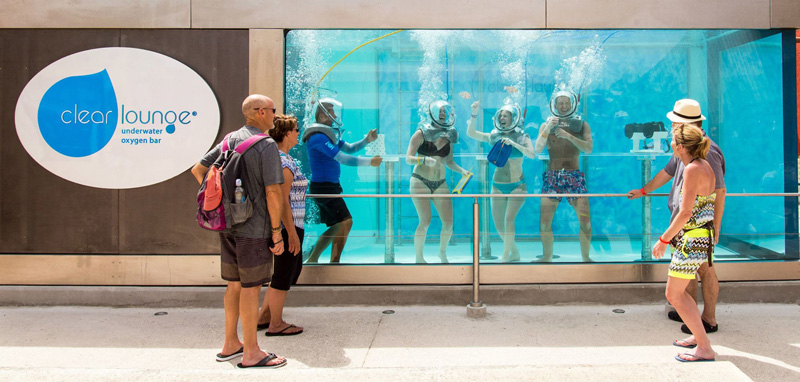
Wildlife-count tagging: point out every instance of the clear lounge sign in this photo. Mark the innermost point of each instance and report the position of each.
(117, 117)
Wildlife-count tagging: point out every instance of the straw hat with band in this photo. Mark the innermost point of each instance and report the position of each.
(686, 111)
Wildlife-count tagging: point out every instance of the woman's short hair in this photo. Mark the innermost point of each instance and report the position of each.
(284, 124)
(692, 138)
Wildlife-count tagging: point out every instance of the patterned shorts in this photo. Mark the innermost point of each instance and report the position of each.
(564, 182)
(692, 249)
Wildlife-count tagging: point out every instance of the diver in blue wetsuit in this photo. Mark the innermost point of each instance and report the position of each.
(430, 150)
(326, 152)
(508, 179)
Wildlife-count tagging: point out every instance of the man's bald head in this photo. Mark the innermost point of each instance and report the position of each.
(254, 102)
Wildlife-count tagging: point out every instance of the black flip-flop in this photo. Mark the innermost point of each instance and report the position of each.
(262, 326)
(674, 316)
(222, 358)
(706, 326)
(283, 332)
(263, 363)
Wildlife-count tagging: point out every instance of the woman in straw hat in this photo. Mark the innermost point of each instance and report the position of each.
(691, 232)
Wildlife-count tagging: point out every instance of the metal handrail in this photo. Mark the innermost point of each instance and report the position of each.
(383, 196)
(476, 302)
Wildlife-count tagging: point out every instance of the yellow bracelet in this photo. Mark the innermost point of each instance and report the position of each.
(418, 160)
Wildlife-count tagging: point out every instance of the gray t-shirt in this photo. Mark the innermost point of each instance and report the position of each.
(263, 164)
(675, 168)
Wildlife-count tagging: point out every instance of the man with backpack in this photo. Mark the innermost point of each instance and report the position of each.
(246, 249)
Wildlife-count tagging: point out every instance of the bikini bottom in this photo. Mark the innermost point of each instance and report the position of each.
(431, 184)
(507, 188)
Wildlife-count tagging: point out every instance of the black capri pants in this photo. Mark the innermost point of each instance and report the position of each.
(287, 266)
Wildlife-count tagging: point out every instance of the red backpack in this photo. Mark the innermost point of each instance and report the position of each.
(216, 208)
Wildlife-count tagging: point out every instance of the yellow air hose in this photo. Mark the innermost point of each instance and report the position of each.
(356, 48)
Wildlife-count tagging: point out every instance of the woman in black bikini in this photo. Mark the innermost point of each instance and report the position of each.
(429, 151)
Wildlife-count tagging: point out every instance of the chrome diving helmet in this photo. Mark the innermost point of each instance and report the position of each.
(564, 104)
(507, 117)
(442, 114)
(328, 112)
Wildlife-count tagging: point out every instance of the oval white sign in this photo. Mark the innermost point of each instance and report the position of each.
(117, 117)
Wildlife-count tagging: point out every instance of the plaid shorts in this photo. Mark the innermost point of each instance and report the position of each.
(564, 182)
(245, 260)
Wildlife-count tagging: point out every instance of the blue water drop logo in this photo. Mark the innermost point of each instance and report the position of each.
(78, 115)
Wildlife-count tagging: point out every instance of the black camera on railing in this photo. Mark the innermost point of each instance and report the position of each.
(647, 128)
(643, 136)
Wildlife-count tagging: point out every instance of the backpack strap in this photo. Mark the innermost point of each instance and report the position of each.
(225, 146)
(242, 147)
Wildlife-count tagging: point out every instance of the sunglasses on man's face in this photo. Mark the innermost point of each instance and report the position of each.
(265, 108)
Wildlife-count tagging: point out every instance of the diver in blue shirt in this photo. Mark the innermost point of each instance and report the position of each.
(326, 153)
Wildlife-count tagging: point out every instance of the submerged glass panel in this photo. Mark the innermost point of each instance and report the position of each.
(618, 84)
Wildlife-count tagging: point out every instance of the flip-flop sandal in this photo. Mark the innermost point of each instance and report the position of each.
(262, 326)
(674, 316)
(706, 326)
(686, 346)
(696, 358)
(222, 357)
(283, 332)
(263, 363)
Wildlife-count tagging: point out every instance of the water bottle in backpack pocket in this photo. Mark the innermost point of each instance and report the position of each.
(240, 207)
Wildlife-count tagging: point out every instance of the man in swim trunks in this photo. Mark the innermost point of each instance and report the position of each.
(326, 153)
(565, 136)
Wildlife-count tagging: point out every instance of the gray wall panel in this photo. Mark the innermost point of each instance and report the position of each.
(40, 212)
(674, 14)
(95, 14)
(785, 13)
(372, 14)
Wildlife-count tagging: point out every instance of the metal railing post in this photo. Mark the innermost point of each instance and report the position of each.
(646, 221)
(486, 247)
(476, 308)
(388, 256)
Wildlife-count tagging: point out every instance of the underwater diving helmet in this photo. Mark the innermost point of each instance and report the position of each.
(330, 108)
(442, 114)
(573, 102)
(568, 118)
(514, 117)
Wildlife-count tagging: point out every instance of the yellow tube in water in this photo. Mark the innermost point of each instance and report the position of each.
(355, 49)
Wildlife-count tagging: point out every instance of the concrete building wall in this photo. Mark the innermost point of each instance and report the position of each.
(390, 14)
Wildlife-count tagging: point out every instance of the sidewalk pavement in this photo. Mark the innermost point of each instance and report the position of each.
(759, 342)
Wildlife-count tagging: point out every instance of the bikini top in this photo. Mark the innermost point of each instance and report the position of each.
(428, 148)
(432, 134)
